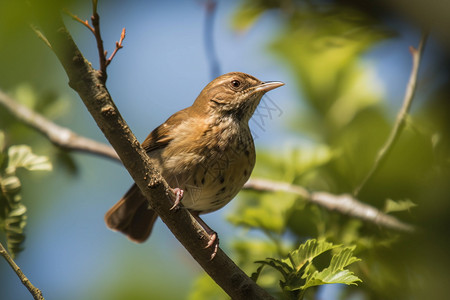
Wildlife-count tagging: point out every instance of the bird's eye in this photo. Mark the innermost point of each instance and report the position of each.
(236, 83)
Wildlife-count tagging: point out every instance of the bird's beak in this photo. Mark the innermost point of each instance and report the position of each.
(268, 86)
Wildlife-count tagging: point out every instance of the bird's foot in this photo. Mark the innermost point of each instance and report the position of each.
(214, 243)
(213, 237)
(178, 193)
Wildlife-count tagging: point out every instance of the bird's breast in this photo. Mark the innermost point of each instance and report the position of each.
(209, 162)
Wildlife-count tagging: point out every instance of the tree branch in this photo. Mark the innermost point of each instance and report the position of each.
(401, 117)
(344, 204)
(67, 139)
(35, 292)
(88, 83)
(58, 135)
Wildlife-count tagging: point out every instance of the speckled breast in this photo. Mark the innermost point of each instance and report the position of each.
(218, 174)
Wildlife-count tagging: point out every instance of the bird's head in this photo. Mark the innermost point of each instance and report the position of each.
(233, 94)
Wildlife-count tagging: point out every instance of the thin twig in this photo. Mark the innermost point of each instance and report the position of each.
(118, 46)
(95, 19)
(401, 117)
(69, 140)
(40, 35)
(58, 135)
(95, 29)
(344, 204)
(35, 292)
(78, 19)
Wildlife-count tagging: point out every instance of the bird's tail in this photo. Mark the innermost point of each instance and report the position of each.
(132, 216)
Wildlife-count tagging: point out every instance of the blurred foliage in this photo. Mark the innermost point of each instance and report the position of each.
(205, 288)
(13, 217)
(49, 103)
(347, 121)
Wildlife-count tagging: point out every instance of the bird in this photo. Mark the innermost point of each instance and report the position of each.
(205, 152)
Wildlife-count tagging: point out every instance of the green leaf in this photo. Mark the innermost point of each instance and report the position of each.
(255, 275)
(334, 273)
(18, 211)
(328, 277)
(22, 156)
(300, 273)
(10, 185)
(307, 252)
(400, 205)
(343, 259)
(277, 264)
(15, 223)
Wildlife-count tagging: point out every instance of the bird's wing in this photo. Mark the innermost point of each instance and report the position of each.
(160, 137)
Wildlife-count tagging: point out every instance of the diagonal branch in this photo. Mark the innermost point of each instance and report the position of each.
(344, 204)
(35, 292)
(94, 94)
(401, 117)
(58, 135)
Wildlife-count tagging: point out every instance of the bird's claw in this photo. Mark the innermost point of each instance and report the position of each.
(178, 196)
(213, 241)
(213, 237)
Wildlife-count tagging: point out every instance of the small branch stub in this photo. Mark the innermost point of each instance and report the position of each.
(118, 46)
(95, 29)
(401, 116)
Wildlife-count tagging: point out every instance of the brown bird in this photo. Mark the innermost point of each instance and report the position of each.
(205, 151)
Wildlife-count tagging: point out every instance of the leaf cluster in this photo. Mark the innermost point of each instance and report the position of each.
(13, 218)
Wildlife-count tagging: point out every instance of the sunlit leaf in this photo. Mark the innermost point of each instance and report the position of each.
(328, 277)
(15, 223)
(399, 205)
(284, 268)
(300, 273)
(307, 252)
(22, 157)
(343, 259)
(10, 184)
(335, 273)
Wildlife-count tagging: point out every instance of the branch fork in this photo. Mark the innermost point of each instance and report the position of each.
(95, 29)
